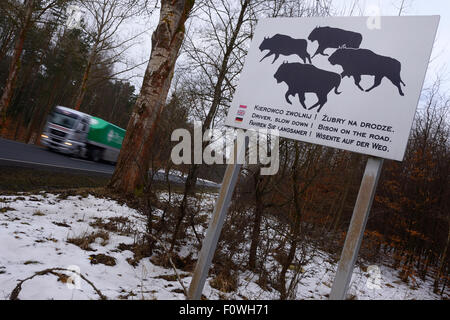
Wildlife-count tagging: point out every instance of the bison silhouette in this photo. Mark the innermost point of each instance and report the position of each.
(286, 46)
(303, 78)
(329, 37)
(358, 62)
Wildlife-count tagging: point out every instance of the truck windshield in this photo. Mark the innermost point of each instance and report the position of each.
(65, 120)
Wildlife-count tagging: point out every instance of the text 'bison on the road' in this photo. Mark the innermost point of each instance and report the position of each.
(358, 62)
(286, 46)
(303, 78)
(329, 37)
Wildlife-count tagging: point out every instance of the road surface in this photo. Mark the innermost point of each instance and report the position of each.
(17, 153)
(14, 153)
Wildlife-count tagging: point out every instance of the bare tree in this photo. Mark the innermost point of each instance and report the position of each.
(133, 163)
(26, 13)
(226, 33)
(7, 31)
(107, 17)
(18, 48)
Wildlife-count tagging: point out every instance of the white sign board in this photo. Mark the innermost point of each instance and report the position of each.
(342, 82)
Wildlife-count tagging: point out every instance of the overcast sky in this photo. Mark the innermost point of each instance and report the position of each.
(440, 56)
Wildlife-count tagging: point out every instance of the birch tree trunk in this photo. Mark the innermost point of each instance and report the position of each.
(133, 163)
(15, 63)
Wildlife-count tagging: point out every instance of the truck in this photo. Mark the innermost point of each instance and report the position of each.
(82, 135)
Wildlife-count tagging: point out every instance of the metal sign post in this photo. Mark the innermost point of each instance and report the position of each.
(215, 225)
(356, 229)
(375, 121)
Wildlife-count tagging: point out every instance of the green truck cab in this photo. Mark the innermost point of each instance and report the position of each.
(79, 134)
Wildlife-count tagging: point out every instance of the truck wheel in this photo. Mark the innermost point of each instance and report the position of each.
(78, 153)
(96, 155)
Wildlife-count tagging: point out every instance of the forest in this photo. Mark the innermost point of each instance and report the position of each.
(45, 63)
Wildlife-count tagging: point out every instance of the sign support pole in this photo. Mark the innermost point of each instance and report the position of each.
(356, 229)
(215, 225)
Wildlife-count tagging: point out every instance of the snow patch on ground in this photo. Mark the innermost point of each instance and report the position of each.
(34, 230)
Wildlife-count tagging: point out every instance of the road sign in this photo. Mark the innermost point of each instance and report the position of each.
(341, 82)
(337, 81)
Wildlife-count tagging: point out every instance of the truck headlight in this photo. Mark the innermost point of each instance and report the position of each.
(67, 143)
(44, 136)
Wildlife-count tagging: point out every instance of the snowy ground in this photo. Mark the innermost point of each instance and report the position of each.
(34, 234)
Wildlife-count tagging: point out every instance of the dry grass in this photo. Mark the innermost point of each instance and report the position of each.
(38, 213)
(102, 259)
(225, 282)
(5, 209)
(120, 225)
(140, 251)
(85, 240)
(171, 277)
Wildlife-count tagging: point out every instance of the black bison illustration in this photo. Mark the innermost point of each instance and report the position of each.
(286, 46)
(303, 78)
(329, 37)
(358, 62)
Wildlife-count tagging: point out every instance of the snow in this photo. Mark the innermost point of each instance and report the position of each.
(21, 229)
(34, 230)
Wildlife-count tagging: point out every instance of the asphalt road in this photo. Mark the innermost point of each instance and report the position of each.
(14, 153)
(21, 154)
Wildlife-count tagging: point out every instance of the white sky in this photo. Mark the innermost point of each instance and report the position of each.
(440, 56)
